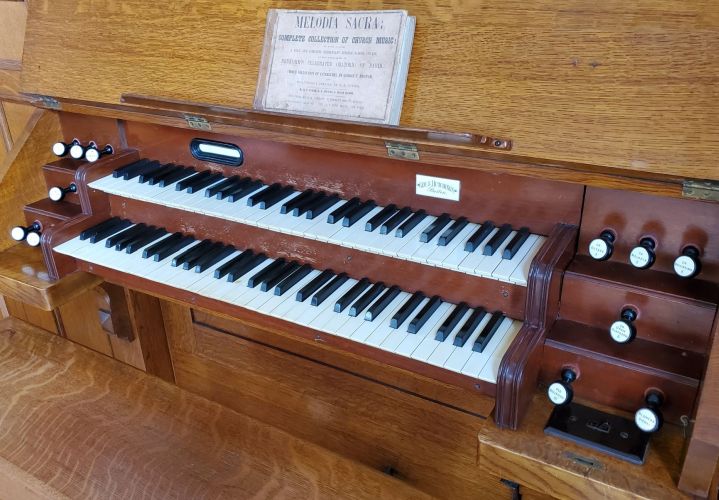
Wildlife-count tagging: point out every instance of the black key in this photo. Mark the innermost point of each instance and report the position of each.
(469, 326)
(381, 303)
(138, 170)
(101, 226)
(424, 314)
(302, 208)
(145, 240)
(131, 235)
(155, 176)
(225, 268)
(175, 176)
(516, 243)
(278, 277)
(119, 172)
(339, 213)
(190, 252)
(198, 186)
(410, 224)
(452, 231)
(406, 309)
(148, 174)
(201, 256)
(262, 275)
(235, 184)
(112, 240)
(272, 199)
(298, 200)
(153, 249)
(321, 205)
(380, 217)
(479, 236)
(242, 191)
(451, 322)
(351, 295)
(356, 214)
(328, 289)
(314, 285)
(293, 279)
(496, 240)
(366, 299)
(433, 229)
(213, 190)
(257, 197)
(395, 220)
(172, 248)
(213, 258)
(182, 185)
(241, 269)
(110, 230)
(488, 332)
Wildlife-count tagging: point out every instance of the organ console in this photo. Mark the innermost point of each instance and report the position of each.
(458, 270)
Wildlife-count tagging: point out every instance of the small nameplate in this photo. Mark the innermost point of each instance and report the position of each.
(437, 187)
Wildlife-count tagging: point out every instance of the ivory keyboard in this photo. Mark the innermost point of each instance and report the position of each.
(496, 252)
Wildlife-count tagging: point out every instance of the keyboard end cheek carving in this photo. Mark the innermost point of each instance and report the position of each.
(519, 369)
(91, 199)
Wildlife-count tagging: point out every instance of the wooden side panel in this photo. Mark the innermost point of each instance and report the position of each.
(431, 446)
(631, 85)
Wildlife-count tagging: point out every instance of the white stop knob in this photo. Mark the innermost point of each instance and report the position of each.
(56, 194)
(557, 393)
(33, 238)
(59, 149)
(647, 420)
(598, 249)
(92, 155)
(77, 151)
(640, 257)
(685, 266)
(621, 332)
(17, 233)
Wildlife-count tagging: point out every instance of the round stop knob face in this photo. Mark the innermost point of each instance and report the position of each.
(17, 233)
(33, 239)
(640, 257)
(599, 249)
(92, 155)
(647, 420)
(557, 393)
(685, 266)
(77, 151)
(621, 332)
(59, 149)
(55, 193)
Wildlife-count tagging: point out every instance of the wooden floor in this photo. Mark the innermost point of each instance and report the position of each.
(76, 424)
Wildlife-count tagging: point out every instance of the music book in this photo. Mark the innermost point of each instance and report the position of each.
(345, 65)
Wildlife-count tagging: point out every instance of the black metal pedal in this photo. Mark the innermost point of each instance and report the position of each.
(595, 429)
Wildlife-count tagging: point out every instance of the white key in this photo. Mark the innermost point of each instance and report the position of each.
(289, 298)
(328, 320)
(351, 236)
(383, 330)
(491, 368)
(305, 316)
(451, 255)
(368, 327)
(445, 349)
(490, 262)
(413, 340)
(521, 274)
(505, 268)
(477, 360)
(405, 247)
(459, 357)
(241, 283)
(474, 259)
(428, 344)
(395, 338)
(321, 229)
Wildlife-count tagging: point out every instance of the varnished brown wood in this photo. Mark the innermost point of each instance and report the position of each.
(598, 299)
(431, 446)
(78, 425)
(47, 320)
(702, 454)
(558, 468)
(622, 85)
(24, 277)
(620, 375)
(519, 369)
(81, 324)
(146, 319)
(673, 224)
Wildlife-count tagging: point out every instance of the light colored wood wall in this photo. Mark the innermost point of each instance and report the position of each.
(613, 83)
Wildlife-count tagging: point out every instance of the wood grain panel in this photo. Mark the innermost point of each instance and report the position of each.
(431, 446)
(12, 29)
(78, 425)
(611, 83)
(556, 467)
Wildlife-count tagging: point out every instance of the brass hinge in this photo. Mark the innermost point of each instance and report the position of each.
(701, 190)
(197, 122)
(404, 150)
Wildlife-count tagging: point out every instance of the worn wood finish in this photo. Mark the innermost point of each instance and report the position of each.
(520, 201)
(598, 300)
(702, 455)
(625, 85)
(430, 445)
(619, 375)
(135, 436)
(24, 277)
(452, 286)
(450, 395)
(520, 365)
(547, 464)
(673, 224)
